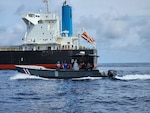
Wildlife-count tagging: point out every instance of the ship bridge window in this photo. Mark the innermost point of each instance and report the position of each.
(31, 15)
(40, 22)
(52, 21)
(63, 47)
(49, 48)
(37, 16)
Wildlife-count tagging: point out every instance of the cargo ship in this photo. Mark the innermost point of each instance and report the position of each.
(47, 41)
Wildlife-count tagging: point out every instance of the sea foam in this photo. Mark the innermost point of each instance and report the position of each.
(20, 76)
(134, 77)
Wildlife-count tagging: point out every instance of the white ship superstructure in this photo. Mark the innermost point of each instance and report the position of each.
(44, 33)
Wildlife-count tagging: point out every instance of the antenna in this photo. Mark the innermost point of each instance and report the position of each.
(65, 3)
(47, 7)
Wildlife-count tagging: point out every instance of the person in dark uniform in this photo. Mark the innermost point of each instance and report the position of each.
(82, 65)
(65, 65)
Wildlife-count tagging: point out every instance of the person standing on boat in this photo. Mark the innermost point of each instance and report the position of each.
(75, 66)
(58, 65)
(72, 63)
(82, 65)
(89, 66)
(65, 65)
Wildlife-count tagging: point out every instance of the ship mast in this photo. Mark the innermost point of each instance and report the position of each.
(47, 7)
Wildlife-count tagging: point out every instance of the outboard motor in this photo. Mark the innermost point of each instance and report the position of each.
(112, 73)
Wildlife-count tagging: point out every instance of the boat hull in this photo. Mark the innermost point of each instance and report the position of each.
(61, 73)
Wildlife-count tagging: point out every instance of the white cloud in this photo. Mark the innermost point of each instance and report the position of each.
(11, 36)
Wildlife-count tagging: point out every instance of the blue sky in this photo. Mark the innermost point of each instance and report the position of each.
(121, 28)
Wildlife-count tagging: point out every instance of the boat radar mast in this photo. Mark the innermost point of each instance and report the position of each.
(47, 7)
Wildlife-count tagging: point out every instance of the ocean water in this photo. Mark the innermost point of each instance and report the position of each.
(128, 93)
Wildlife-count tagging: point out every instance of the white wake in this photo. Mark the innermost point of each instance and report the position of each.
(20, 76)
(134, 77)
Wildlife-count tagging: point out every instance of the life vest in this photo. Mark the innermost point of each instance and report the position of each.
(65, 65)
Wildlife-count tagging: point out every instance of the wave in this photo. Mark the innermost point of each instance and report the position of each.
(21, 76)
(134, 77)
